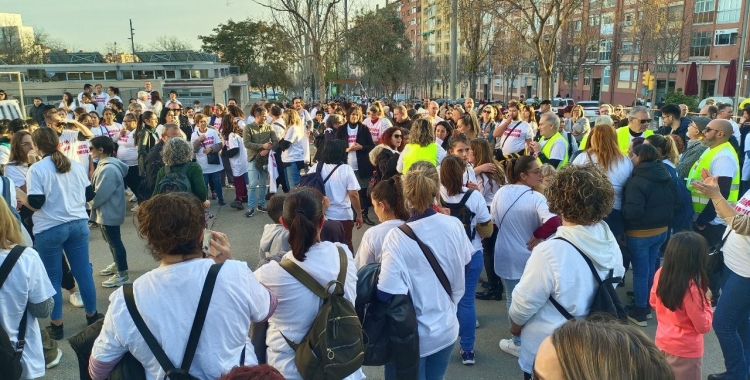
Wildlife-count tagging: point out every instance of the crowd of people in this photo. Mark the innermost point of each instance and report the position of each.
(468, 203)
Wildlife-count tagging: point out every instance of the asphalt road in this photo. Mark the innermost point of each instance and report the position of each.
(244, 234)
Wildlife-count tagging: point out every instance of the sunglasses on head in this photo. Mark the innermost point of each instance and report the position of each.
(397, 136)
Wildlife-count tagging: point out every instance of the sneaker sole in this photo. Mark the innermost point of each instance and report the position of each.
(55, 362)
(469, 362)
(637, 322)
(119, 284)
(107, 273)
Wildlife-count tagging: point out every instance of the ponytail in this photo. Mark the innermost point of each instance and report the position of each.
(62, 163)
(46, 140)
(666, 146)
(303, 212)
(514, 167)
(391, 192)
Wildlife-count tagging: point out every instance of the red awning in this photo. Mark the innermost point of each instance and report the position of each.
(730, 84)
(691, 81)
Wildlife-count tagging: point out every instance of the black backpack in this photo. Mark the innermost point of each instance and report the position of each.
(174, 181)
(10, 354)
(315, 180)
(605, 299)
(183, 372)
(460, 211)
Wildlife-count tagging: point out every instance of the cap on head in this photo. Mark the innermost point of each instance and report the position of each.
(701, 122)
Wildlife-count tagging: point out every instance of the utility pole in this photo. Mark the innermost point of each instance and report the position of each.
(347, 90)
(454, 49)
(741, 61)
(132, 40)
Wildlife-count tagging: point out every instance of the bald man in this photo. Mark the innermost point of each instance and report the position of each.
(432, 111)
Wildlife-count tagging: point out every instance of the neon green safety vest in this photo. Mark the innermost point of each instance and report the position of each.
(420, 153)
(704, 162)
(584, 141)
(547, 149)
(623, 138)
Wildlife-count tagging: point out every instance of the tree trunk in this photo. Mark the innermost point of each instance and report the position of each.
(545, 83)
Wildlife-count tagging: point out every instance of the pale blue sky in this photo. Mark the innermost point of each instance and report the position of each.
(89, 24)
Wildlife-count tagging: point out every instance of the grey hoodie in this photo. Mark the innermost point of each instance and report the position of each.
(108, 205)
(274, 240)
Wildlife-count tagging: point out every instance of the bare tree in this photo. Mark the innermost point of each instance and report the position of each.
(670, 43)
(169, 43)
(509, 57)
(539, 24)
(571, 52)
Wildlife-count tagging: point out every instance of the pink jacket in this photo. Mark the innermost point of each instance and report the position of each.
(680, 332)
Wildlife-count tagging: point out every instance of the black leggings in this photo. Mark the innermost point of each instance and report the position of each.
(68, 282)
(488, 251)
(133, 181)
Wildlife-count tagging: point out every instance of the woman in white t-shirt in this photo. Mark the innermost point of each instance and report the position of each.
(155, 105)
(68, 104)
(127, 152)
(389, 205)
(303, 217)
(26, 290)
(453, 193)
(236, 155)
(22, 156)
(167, 297)
(293, 147)
(58, 189)
(604, 152)
(405, 270)
(523, 220)
(377, 122)
(206, 141)
(108, 122)
(342, 187)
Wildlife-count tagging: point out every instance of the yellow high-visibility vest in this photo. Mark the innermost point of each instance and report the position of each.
(623, 138)
(704, 162)
(419, 153)
(547, 150)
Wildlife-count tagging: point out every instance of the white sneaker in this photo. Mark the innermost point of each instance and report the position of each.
(128, 192)
(135, 208)
(477, 324)
(133, 198)
(55, 362)
(76, 300)
(510, 347)
(109, 270)
(116, 281)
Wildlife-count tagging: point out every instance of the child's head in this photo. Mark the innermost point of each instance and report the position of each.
(275, 207)
(548, 173)
(459, 146)
(685, 260)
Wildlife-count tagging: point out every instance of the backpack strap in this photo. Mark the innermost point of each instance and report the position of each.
(5, 269)
(331, 173)
(167, 169)
(406, 229)
(599, 281)
(465, 198)
(195, 331)
(6, 191)
(304, 278)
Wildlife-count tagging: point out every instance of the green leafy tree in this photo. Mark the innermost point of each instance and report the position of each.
(379, 45)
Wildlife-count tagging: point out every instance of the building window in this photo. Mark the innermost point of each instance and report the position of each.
(728, 11)
(624, 75)
(605, 76)
(725, 37)
(605, 50)
(608, 18)
(700, 44)
(594, 20)
(171, 74)
(127, 75)
(184, 74)
(587, 76)
(577, 24)
(704, 11)
(592, 50)
(628, 19)
(608, 3)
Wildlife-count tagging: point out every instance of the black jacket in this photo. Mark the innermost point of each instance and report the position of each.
(153, 163)
(364, 138)
(650, 199)
(385, 161)
(681, 131)
(37, 113)
(404, 124)
(391, 327)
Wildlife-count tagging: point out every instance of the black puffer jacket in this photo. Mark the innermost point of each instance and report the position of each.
(391, 328)
(650, 199)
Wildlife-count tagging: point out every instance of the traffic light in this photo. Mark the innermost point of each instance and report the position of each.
(651, 81)
(646, 78)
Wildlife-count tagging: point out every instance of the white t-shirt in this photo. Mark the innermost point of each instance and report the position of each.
(558, 151)
(167, 299)
(67, 143)
(618, 175)
(127, 149)
(746, 164)
(518, 211)
(436, 120)
(65, 194)
(723, 165)
(88, 107)
(239, 161)
(83, 154)
(514, 140)
(295, 134)
(101, 102)
(27, 283)
(341, 182)
(351, 157)
(378, 128)
(735, 129)
(4, 154)
(476, 204)
(17, 174)
(298, 306)
(212, 137)
(111, 131)
(469, 175)
(371, 247)
(405, 270)
(735, 248)
(488, 187)
(278, 128)
(13, 186)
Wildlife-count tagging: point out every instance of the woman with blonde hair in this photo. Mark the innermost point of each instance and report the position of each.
(488, 123)
(293, 147)
(577, 124)
(377, 123)
(215, 118)
(25, 295)
(469, 126)
(406, 270)
(421, 146)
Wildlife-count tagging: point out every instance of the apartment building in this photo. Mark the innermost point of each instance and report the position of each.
(411, 14)
(620, 48)
(436, 42)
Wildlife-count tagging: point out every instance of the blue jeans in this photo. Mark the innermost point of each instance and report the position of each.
(113, 237)
(214, 179)
(258, 178)
(509, 286)
(643, 255)
(431, 367)
(467, 312)
(731, 325)
(292, 169)
(73, 237)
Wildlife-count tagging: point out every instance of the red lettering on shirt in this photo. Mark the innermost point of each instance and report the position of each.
(743, 206)
(83, 149)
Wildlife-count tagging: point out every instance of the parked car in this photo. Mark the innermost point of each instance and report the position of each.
(562, 105)
(590, 110)
(720, 99)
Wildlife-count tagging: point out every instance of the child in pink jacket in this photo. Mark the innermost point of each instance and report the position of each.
(679, 299)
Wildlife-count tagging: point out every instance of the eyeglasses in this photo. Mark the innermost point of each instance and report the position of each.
(706, 130)
(644, 121)
(397, 136)
(486, 111)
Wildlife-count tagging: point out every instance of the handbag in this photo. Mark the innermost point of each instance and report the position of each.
(213, 157)
(716, 257)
